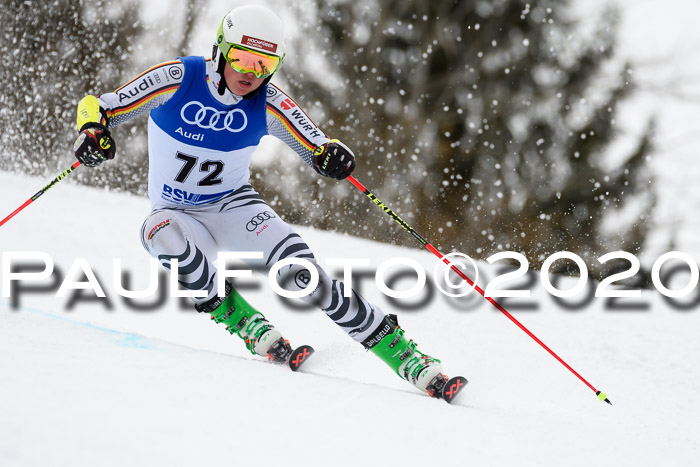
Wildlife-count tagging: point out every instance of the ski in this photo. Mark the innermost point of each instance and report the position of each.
(299, 356)
(453, 387)
(281, 352)
(446, 388)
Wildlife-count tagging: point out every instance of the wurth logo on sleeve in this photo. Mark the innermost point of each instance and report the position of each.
(304, 124)
(288, 104)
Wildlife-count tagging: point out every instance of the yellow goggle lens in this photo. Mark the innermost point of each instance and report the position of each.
(250, 61)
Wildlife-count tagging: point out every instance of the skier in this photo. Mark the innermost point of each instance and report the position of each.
(206, 118)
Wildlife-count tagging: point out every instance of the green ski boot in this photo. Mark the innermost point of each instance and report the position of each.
(241, 319)
(401, 354)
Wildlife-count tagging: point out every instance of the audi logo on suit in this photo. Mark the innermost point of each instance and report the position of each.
(259, 220)
(209, 118)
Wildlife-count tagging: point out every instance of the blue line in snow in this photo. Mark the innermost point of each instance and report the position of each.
(123, 339)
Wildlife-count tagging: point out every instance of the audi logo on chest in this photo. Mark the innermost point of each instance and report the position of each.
(258, 220)
(208, 118)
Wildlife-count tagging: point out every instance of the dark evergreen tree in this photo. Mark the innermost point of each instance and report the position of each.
(51, 55)
(484, 123)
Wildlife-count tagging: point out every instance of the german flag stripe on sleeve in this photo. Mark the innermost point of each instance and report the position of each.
(143, 100)
(295, 120)
(160, 65)
(298, 107)
(291, 128)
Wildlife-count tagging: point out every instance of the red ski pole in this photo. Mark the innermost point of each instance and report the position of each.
(601, 395)
(40, 192)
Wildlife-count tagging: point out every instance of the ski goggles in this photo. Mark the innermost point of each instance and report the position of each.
(245, 60)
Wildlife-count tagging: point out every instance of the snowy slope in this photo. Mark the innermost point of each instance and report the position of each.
(93, 385)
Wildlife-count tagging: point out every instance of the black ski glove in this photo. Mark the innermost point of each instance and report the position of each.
(94, 145)
(334, 160)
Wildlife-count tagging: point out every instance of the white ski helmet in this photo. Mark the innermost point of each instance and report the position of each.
(250, 38)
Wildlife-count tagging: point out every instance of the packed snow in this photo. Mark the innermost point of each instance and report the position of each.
(89, 381)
